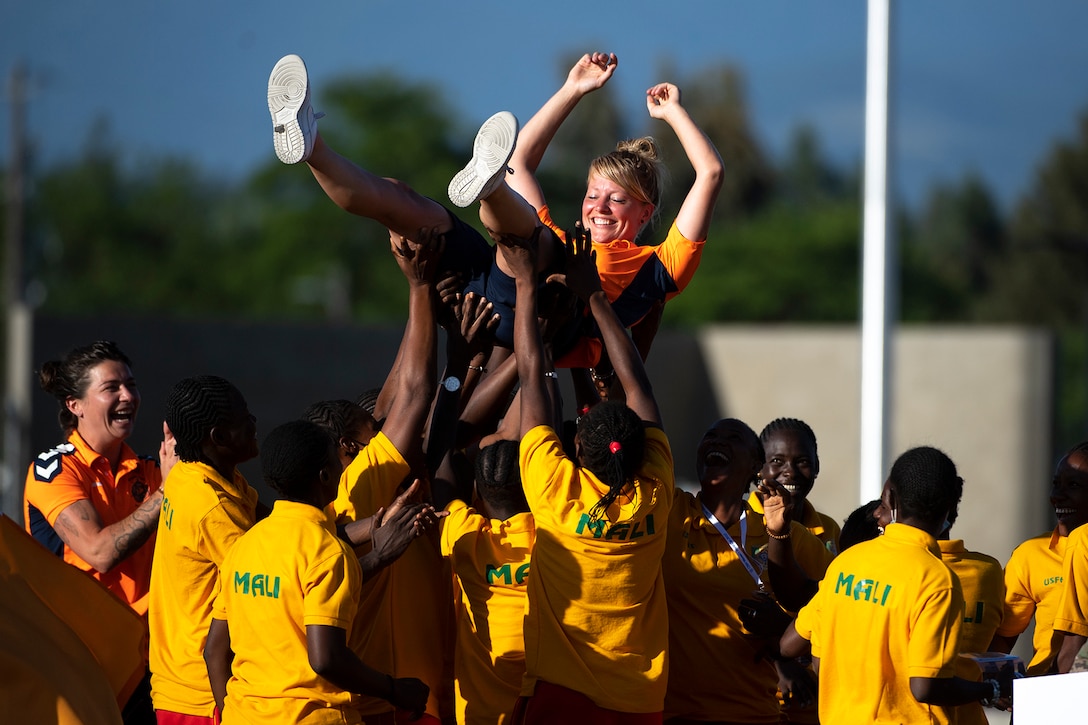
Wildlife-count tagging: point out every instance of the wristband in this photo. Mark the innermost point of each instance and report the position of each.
(988, 701)
(552, 374)
(779, 537)
(478, 368)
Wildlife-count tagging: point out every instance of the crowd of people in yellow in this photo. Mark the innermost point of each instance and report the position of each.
(467, 547)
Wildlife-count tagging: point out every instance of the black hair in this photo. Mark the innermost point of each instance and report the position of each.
(861, 525)
(292, 457)
(613, 444)
(69, 377)
(498, 476)
(788, 424)
(368, 399)
(926, 484)
(194, 406)
(336, 417)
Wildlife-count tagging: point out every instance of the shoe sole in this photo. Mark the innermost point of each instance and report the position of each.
(491, 152)
(288, 97)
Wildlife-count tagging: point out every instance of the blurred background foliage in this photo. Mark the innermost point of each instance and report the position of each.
(161, 237)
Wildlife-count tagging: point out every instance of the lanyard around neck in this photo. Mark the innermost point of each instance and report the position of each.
(737, 549)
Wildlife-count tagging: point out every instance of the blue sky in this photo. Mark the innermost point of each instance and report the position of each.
(980, 85)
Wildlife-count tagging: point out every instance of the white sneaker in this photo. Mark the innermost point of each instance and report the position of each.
(294, 123)
(491, 152)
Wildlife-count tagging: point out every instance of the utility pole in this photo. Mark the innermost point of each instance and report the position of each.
(879, 291)
(18, 328)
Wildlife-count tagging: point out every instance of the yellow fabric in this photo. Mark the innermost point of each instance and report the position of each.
(705, 582)
(402, 626)
(983, 587)
(887, 610)
(288, 572)
(75, 472)
(1072, 614)
(202, 516)
(1033, 588)
(490, 561)
(70, 652)
(597, 620)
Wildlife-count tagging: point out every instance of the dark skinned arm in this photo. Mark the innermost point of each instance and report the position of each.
(416, 367)
(331, 658)
(218, 659)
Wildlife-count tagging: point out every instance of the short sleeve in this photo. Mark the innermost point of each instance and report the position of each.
(1019, 608)
(543, 462)
(680, 256)
(56, 489)
(1072, 615)
(935, 633)
(331, 592)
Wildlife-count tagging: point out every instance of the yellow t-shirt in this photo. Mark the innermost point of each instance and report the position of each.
(887, 610)
(705, 582)
(289, 571)
(202, 516)
(1072, 614)
(597, 620)
(1033, 588)
(490, 560)
(402, 626)
(983, 587)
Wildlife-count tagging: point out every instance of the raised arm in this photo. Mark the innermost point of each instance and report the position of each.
(414, 381)
(582, 277)
(591, 72)
(693, 219)
(535, 405)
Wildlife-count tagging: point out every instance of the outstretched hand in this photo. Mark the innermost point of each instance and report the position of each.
(520, 253)
(474, 333)
(660, 99)
(168, 454)
(592, 71)
(581, 276)
(418, 258)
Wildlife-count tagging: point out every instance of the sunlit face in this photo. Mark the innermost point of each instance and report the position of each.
(610, 213)
(791, 461)
(1069, 491)
(726, 458)
(107, 411)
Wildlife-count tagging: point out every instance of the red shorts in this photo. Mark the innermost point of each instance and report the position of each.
(165, 717)
(554, 703)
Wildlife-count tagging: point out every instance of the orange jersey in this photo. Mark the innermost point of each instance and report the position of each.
(634, 277)
(74, 472)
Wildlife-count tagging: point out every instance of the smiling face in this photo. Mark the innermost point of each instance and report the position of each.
(791, 461)
(610, 213)
(728, 459)
(1069, 491)
(106, 412)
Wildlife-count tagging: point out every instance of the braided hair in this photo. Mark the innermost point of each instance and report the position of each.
(926, 483)
(368, 399)
(498, 476)
(336, 417)
(292, 457)
(68, 378)
(194, 406)
(861, 525)
(787, 424)
(613, 444)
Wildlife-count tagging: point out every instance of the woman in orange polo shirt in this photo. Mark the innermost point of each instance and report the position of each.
(92, 500)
